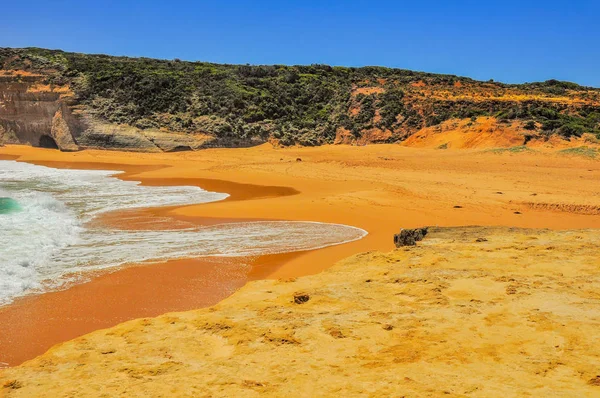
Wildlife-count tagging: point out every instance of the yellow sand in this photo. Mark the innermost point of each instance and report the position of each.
(464, 334)
(516, 315)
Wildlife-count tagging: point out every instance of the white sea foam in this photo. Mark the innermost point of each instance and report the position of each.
(48, 243)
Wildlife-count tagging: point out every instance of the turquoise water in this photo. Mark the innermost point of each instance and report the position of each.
(8, 205)
(47, 240)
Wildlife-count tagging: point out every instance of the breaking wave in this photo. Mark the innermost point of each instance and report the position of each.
(47, 242)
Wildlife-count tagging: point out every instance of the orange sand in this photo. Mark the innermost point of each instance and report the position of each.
(378, 188)
(33, 324)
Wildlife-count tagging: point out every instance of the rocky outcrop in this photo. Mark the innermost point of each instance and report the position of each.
(410, 237)
(107, 136)
(37, 114)
(369, 136)
(61, 131)
(99, 135)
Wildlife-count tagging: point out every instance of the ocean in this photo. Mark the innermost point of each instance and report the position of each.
(47, 241)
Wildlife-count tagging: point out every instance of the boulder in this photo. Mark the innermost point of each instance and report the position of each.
(410, 237)
(301, 298)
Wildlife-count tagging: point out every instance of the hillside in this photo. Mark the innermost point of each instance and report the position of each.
(70, 100)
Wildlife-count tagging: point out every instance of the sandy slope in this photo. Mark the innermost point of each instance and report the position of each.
(516, 315)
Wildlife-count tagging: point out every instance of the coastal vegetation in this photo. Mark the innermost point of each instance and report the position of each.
(306, 105)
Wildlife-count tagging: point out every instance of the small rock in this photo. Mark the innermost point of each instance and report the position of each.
(13, 384)
(511, 290)
(298, 159)
(410, 237)
(518, 212)
(595, 381)
(252, 383)
(301, 298)
(458, 207)
(336, 334)
(479, 240)
(388, 327)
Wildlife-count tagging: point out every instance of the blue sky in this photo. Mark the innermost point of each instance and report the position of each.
(510, 41)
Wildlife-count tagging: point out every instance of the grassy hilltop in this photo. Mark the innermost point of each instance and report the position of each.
(307, 105)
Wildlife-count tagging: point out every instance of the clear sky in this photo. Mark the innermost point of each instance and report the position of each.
(510, 41)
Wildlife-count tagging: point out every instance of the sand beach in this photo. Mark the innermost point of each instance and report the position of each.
(378, 188)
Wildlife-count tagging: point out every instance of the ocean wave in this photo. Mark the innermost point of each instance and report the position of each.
(48, 242)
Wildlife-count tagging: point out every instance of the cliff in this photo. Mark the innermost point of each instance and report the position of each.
(36, 113)
(464, 313)
(142, 104)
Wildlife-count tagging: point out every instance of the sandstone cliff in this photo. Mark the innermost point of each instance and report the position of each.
(33, 112)
(468, 312)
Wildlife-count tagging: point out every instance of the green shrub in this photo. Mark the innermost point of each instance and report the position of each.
(297, 104)
(581, 151)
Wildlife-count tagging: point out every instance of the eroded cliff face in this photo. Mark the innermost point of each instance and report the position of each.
(42, 115)
(34, 113)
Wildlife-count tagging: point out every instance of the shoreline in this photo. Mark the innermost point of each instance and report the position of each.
(34, 323)
(364, 192)
(150, 288)
(513, 315)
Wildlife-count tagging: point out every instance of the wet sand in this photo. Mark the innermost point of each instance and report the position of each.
(378, 188)
(32, 325)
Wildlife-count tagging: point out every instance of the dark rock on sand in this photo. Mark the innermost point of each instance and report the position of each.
(410, 237)
(301, 298)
